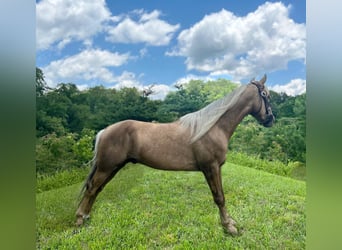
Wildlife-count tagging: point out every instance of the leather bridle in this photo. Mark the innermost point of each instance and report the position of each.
(263, 95)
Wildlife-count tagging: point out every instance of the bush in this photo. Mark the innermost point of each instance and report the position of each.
(82, 148)
(54, 153)
(273, 167)
(66, 152)
(60, 179)
(284, 142)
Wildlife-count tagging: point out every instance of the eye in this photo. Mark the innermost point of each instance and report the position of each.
(263, 93)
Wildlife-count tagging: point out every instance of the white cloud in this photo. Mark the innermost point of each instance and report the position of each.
(186, 79)
(149, 29)
(262, 41)
(82, 86)
(127, 80)
(91, 67)
(88, 65)
(60, 22)
(293, 88)
(143, 52)
(63, 21)
(160, 91)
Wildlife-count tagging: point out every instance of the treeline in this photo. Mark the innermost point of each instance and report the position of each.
(67, 120)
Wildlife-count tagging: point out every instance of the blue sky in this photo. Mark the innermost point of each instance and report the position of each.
(138, 43)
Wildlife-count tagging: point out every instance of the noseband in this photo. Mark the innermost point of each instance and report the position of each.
(263, 94)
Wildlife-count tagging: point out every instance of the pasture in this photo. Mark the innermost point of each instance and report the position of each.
(175, 210)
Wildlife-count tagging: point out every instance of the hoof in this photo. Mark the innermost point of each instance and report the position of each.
(80, 219)
(230, 228)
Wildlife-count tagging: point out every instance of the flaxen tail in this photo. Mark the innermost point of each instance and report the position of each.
(93, 163)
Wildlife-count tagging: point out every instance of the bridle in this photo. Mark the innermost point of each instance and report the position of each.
(263, 95)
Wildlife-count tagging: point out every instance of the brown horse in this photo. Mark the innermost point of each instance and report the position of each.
(196, 142)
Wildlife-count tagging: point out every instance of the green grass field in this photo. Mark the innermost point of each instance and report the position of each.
(143, 208)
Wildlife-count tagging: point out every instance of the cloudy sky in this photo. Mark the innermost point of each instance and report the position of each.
(138, 43)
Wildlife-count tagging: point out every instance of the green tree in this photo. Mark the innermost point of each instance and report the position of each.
(218, 89)
(299, 108)
(132, 105)
(82, 148)
(54, 153)
(46, 124)
(186, 100)
(41, 85)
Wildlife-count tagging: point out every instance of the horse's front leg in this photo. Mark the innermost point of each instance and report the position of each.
(213, 177)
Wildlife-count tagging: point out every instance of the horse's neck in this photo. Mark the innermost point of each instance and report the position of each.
(231, 119)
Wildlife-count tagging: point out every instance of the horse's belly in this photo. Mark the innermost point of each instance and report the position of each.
(163, 146)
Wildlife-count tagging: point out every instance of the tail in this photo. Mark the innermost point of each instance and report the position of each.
(93, 163)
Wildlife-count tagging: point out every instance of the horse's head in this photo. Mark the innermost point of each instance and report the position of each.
(261, 106)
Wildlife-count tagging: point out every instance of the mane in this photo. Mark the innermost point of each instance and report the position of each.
(201, 121)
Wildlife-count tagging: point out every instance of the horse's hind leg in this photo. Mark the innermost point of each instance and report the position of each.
(93, 187)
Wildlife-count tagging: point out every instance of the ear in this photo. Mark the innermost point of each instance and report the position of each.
(253, 79)
(263, 80)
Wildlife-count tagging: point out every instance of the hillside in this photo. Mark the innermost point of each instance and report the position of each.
(143, 208)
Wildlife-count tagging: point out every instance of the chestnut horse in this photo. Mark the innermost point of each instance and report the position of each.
(196, 142)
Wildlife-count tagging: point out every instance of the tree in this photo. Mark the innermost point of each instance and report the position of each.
(187, 99)
(299, 108)
(148, 91)
(218, 89)
(41, 85)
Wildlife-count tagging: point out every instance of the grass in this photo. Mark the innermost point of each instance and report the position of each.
(143, 208)
(292, 169)
(60, 179)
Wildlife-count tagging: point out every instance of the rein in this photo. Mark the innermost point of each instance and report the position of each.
(263, 94)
